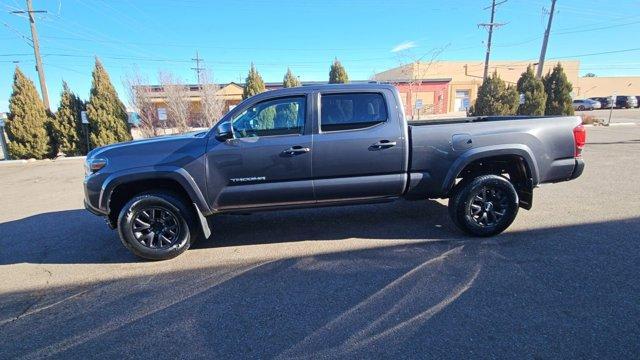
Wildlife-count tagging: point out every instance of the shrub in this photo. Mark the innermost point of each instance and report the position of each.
(66, 126)
(253, 84)
(338, 74)
(534, 96)
(495, 98)
(106, 113)
(558, 90)
(27, 122)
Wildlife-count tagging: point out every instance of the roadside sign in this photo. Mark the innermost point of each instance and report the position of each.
(162, 114)
(83, 116)
(521, 99)
(418, 104)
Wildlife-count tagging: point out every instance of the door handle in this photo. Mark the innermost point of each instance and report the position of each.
(296, 150)
(383, 144)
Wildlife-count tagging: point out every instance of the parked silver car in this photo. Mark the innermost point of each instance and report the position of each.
(586, 104)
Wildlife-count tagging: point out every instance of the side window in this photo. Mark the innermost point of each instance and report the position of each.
(351, 111)
(272, 117)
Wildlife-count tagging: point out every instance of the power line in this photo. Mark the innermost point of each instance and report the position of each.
(490, 25)
(197, 69)
(36, 50)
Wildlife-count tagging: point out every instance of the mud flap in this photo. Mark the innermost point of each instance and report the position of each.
(525, 194)
(206, 231)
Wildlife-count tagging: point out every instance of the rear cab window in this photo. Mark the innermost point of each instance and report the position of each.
(349, 111)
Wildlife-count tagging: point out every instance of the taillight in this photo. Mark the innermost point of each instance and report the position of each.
(579, 138)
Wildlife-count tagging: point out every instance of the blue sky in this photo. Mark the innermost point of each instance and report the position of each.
(155, 35)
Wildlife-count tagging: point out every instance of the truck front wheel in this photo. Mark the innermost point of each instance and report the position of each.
(157, 226)
(484, 206)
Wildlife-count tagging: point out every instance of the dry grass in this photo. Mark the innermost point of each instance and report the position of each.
(591, 120)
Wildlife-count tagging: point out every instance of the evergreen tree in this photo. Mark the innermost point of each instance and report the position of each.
(27, 122)
(534, 96)
(106, 113)
(290, 80)
(253, 84)
(495, 98)
(338, 74)
(67, 126)
(558, 90)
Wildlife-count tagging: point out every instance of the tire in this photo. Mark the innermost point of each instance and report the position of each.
(157, 226)
(580, 108)
(472, 208)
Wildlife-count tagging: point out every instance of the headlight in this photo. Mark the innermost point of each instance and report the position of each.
(93, 165)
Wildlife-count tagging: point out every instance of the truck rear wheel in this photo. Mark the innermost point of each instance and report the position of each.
(157, 226)
(484, 206)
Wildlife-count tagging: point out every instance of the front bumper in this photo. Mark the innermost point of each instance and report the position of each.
(92, 209)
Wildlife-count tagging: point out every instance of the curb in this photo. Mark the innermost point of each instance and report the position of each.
(65, 158)
(12, 162)
(612, 124)
(30, 161)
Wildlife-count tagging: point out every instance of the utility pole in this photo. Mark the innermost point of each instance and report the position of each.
(543, 52)
(36, 50)
(490, 25)
(197, 69)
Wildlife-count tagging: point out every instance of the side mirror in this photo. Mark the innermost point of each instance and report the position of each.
(224, 131)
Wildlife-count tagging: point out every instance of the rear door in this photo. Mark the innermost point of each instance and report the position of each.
(268, 162)
(359, 149)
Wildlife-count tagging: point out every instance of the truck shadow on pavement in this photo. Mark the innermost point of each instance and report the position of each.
(559, 292)
(75, 236)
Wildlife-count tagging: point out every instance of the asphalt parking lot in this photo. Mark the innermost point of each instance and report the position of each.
(387, 280)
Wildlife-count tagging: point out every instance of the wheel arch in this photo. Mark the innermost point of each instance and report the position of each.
(515, 160)
(118, 188)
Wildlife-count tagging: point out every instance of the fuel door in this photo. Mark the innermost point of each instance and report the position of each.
(461, 142)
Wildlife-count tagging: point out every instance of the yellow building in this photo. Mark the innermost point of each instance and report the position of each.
(607, 86)
(466, 76)
(231, 93)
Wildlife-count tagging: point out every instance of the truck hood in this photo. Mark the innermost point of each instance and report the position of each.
(157, 142)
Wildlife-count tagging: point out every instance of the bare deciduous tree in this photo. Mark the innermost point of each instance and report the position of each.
(212, 103)
(140, 100)
(177, 100)
(418, 69)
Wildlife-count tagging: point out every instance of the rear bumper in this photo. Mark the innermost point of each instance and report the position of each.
(577, 169)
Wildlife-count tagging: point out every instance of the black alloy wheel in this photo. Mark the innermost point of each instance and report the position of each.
(488, 206)
(158, 225)
(484, 206)
(155, 227)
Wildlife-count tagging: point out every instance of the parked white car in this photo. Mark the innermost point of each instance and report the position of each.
(586, 104)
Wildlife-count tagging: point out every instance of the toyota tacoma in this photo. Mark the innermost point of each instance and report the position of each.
(325, 145)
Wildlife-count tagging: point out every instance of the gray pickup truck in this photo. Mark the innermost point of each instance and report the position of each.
(326, 145)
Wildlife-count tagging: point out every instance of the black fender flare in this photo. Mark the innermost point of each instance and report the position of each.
(177, 174)
(478, 153)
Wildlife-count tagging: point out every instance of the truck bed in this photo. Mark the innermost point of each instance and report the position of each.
(439, 147)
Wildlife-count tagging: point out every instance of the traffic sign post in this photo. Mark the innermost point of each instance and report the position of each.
(85, 128)
(613, 103)
(162, 117)
(418, 106)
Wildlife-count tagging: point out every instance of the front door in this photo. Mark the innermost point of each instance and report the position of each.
(268, 161)
(359, 151)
